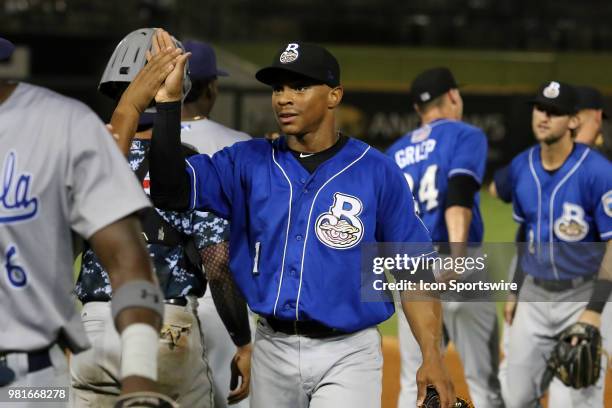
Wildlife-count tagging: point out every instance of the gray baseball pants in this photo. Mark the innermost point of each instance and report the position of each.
(472, 326)
(290, 371)
(540, 315)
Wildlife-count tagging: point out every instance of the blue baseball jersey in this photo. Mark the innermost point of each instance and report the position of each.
(429, 157)
(296, 237)
(561, 210)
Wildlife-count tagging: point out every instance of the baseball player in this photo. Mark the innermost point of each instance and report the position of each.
(590, 112)
(207, 136)
(444, 162)
(562, 193)
(60, 169)
(174, 241)
(301, 209)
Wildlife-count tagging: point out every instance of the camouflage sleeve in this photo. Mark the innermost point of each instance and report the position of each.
(208, 229)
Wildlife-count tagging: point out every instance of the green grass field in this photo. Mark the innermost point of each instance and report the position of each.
(499, 227)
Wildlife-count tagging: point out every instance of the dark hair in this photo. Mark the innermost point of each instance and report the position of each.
(198, 87)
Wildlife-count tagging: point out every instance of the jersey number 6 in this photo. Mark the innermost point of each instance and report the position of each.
(16, 274)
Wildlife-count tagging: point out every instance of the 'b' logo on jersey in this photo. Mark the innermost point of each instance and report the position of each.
(290, 54)
(341, 228)
(571, 226)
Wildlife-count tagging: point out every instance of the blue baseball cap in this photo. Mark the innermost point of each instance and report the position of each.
(6, 49)
(203, 60)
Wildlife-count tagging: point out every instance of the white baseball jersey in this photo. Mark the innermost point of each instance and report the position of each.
(208, 137)
(60, 170)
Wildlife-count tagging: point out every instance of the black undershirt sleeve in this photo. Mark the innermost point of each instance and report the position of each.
(461, 191)
(601, 294)
(519, 275)
(229, 302)
(170, 187)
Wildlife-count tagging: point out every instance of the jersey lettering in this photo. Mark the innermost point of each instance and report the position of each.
(341, 228)
(531, 241)
(571, 226)
(414, 154)
(428, 193)
(417, 209)
(16, 204)
(16, 274)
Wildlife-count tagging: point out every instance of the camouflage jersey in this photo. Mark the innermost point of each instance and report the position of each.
(171, 265)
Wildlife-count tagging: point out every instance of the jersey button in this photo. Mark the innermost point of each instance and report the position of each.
(298, 237)
(292, 272)
(302, 180)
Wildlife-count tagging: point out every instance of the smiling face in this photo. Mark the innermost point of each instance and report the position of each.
(549, 125)
(301, 104)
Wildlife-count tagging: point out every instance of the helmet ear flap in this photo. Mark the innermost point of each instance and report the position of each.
(128, 58)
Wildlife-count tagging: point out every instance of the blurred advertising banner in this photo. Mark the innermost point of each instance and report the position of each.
(381, 118)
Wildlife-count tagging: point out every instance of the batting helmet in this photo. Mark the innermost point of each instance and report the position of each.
(128, 59)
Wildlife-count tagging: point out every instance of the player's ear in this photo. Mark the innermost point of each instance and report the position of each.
(453, 95)
(574, 122)
(211, 89)
(334, 97)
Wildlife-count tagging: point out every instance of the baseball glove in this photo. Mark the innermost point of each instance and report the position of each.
(576, 366)
(432, 400)
(145, 400)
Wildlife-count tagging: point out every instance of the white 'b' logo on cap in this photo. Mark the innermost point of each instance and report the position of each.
(290, 54)
(552, 90)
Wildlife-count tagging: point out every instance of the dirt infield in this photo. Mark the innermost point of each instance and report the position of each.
(391, 374)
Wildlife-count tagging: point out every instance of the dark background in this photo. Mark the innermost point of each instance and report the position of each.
(71, 40)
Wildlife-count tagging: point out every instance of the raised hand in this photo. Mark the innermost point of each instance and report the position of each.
(171, 90)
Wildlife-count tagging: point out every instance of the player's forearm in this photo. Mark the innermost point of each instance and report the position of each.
(425, 320)
(605, 270)
(228, 300)
(458, 221)
(170, 187)
(125, 122)
(232, 310)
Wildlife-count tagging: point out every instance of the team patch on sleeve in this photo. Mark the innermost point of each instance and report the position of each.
(606, 202)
